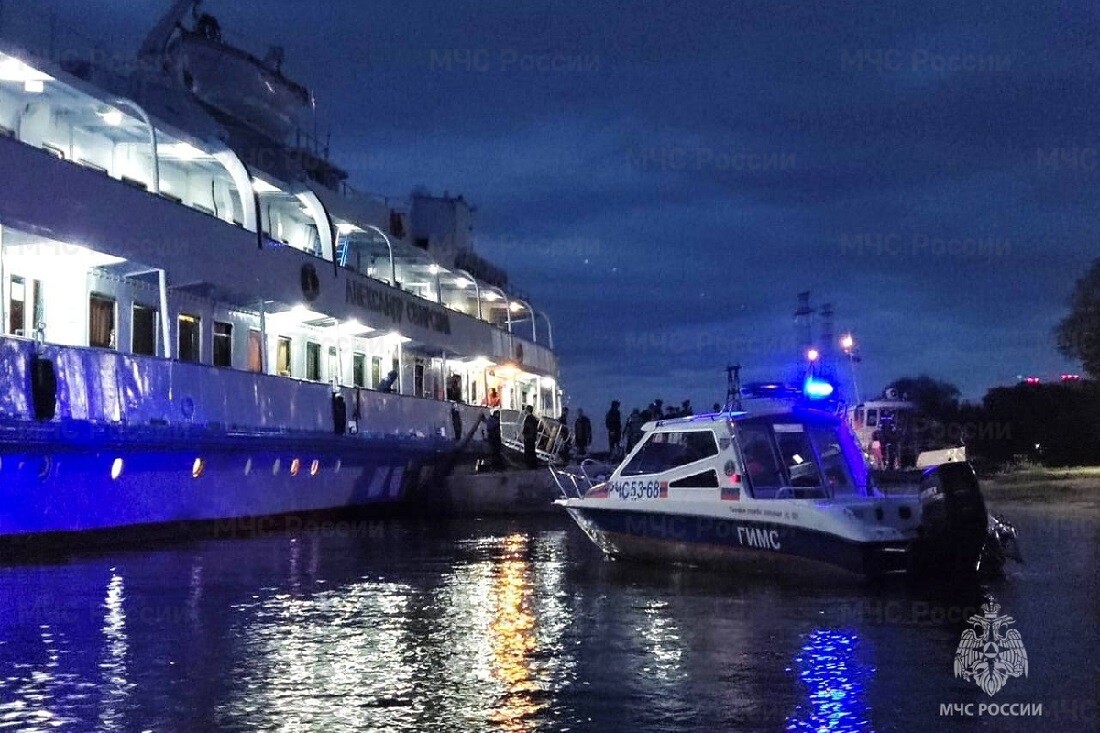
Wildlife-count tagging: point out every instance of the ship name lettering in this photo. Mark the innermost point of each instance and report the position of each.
(758, 537)
(374, 300)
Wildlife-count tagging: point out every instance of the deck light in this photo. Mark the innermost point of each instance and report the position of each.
(112, 117)
(181, 151)
(813, 355)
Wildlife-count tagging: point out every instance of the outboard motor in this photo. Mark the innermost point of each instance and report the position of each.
(954, 523)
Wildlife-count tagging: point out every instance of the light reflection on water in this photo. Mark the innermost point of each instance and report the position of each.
(381, 649)
(494, 626)
(829, 665)
(115, 684)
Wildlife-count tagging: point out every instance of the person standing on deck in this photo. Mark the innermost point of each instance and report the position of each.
(633, 429)
(613, 421)
(563, 432)
(456, 422)
(496, 442)
(582, 433)
(530, 435)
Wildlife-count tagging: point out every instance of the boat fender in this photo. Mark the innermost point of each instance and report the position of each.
(43, 388)
(339, 414)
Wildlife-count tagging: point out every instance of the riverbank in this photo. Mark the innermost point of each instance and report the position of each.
(1078, 488)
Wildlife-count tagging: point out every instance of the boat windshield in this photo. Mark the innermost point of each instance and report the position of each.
(667, 450)
(788, 458)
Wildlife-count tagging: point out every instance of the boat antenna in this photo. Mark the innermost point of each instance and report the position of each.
(733, 388)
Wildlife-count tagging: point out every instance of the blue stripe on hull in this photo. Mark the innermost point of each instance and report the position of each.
(69, 486)
(704, 540)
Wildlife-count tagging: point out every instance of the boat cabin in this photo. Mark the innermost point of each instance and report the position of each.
(789, 454)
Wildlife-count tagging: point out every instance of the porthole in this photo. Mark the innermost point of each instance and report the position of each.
(45, 468)
(198, 468)
(314, 468)
(339, 464)
(116, 469)
(295, 467)
(276, 466)
(248, 467)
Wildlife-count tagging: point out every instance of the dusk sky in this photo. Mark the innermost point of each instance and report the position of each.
(663, 178)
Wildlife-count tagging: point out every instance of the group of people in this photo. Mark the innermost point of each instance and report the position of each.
(885, 447)
(622, 437)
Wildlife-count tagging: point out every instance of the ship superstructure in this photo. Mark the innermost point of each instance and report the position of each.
(176, 253)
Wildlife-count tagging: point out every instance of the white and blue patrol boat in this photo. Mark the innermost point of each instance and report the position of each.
(199, 319)
(780, 486)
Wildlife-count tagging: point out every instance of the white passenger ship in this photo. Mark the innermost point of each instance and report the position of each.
(201, 320)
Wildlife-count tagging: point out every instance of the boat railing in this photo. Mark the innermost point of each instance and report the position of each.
(575, 482)
(549, 440)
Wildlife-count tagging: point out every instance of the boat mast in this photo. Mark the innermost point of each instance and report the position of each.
(733, 388)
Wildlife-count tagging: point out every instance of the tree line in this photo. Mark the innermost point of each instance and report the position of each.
(1054, 424)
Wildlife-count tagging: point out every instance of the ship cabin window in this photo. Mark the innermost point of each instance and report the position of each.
(333, 365)
(665, 451)
(359, 370)
(313, 362)
(282, 357)
(143, 330)
(17, 298)
(255, 351)
(872, 418)
(190, 329)
(375, 371)
(418, 379)
(223, 344)
(101, 322)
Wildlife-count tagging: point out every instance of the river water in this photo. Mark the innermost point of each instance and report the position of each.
(522, 626)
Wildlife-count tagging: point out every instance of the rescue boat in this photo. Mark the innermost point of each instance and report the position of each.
(781, 486)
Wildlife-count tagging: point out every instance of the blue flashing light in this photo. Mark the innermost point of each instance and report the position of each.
(817, 389)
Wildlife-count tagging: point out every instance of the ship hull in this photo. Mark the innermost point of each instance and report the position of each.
(82, 478)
